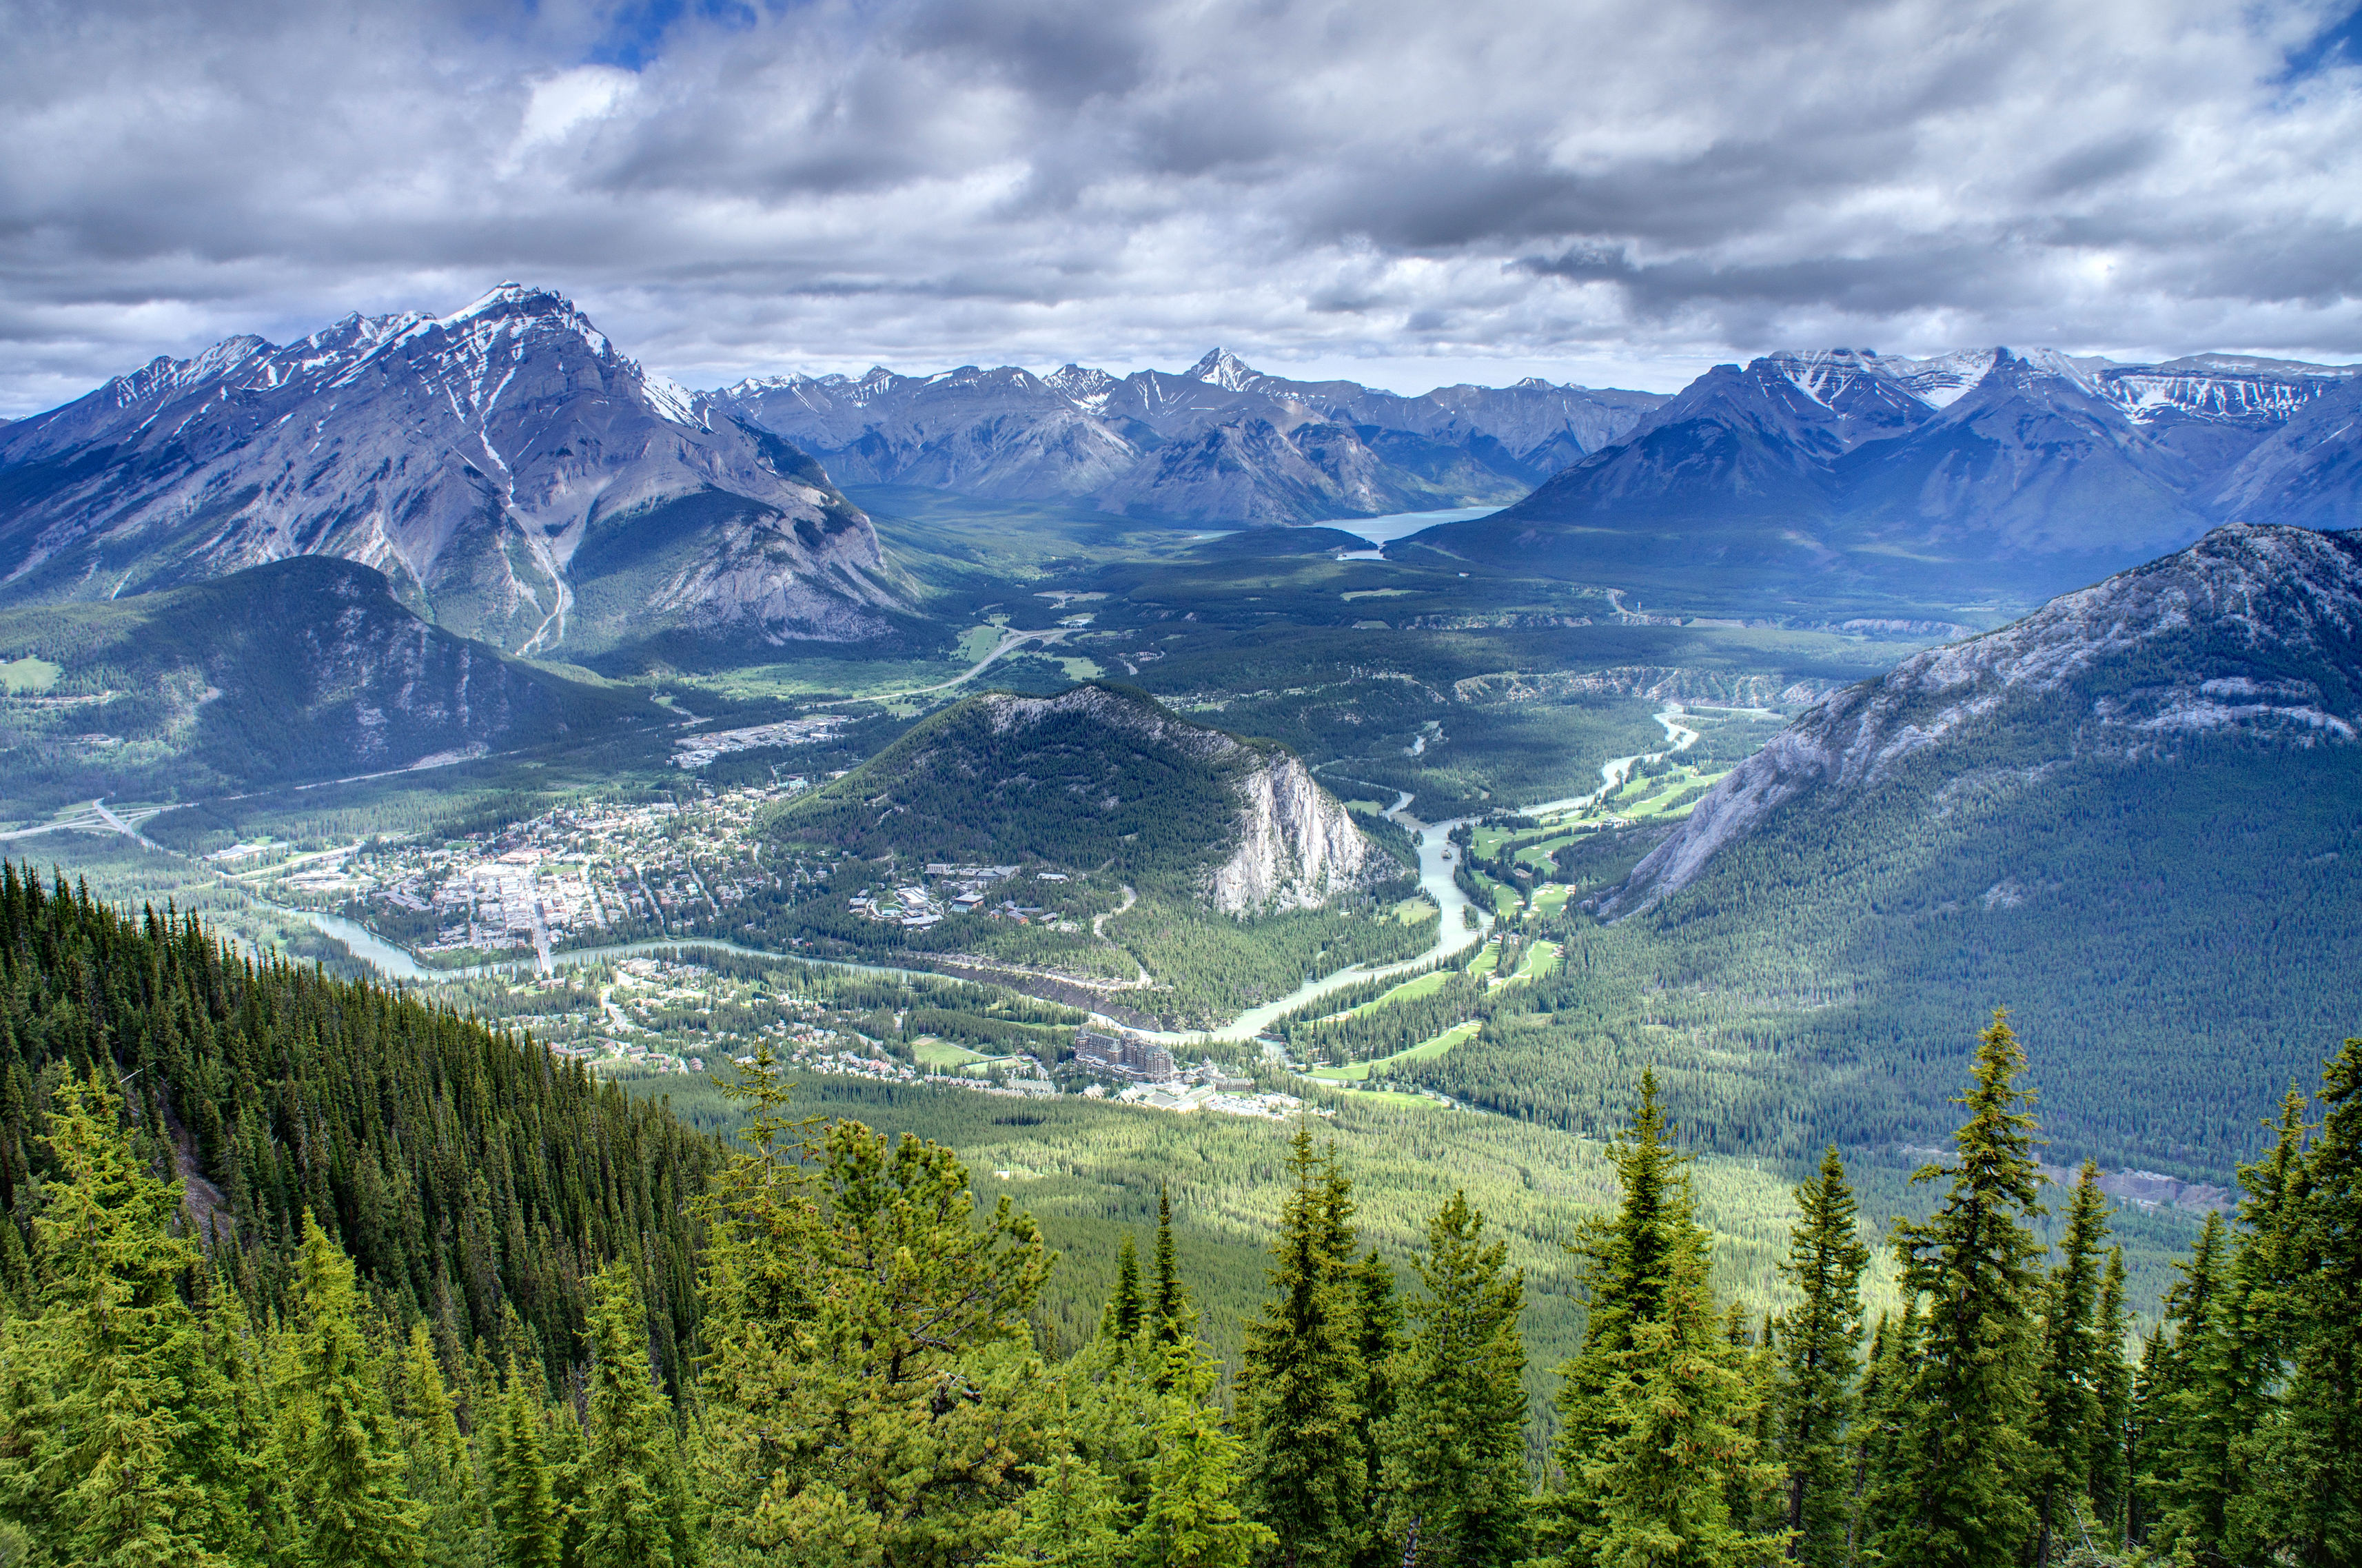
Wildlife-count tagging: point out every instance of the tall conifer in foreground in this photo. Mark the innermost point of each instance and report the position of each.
(1658, 1408)
(2308, 1503)
(2112, 1424)
(532, 1526)
(106, 1459)
(340, 1449)
(1168, 1302)
(1120, 1319)
(1453, 1483)
(632, 1510)
(2068, 1384)
(1819, 1339)
(1956, 1496)
(1301, 1373)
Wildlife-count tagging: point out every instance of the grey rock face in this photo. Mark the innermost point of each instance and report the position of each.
(1221, 442)
(2255, 630)
(480, 460)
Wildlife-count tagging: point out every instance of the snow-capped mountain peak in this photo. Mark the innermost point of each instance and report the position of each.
(1225, 370)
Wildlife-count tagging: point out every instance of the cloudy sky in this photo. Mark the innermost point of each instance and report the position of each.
(1406, 191)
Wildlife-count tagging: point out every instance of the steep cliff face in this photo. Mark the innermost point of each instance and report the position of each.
(496, 464)
(1297, 846)
(2253, 631)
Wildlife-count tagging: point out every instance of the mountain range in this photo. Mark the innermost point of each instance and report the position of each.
(1966, 477)
(1220, 442)
(514, 477)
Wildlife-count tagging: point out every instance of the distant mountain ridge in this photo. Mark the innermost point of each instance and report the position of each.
(1967, 475)
(515, 477)
(293, 671)
(1219, 442)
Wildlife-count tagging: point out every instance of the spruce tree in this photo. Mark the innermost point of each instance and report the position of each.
(1121, 1319)
(1454, 1482)
(1168, 1306)
(1377, 1341)
(2111, 1486)
(1820, 1341)
(1071, 1519)
(2067, 1391)
(631, 1516)
(532, 1525)
(116, 1416)
(438, 1473)
(353, 1510)
(1657, 1407)
(1879, 1502)
(2314, 1492)
(1193, 1519)
(1301, 1373)
(2194, 1479)
(1957, 1498)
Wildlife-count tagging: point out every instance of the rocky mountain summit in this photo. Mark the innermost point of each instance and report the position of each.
(2253, 633)
(1964, 475)
(1219, 442)
(514, 476)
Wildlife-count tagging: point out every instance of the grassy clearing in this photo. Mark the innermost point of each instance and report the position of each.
(1359, 1072)
(1540, 958)
(929, 1052)
(27, 675)
(1551, 900)
(1081, 669)
(977, 642)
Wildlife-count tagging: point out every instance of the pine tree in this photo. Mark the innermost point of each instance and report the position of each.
(2112, 1430)
(1657, 1407)
(1301, 1373)
(114, 1431)
(1879, 1502)
(1168, 1307)
(2312, 1497)
(1454, 1482)
(1956, 1497)
(1193, 1519)
(1378, 1341)
(353, 1510)
(532, 1526)
(1816, 1401)
(1121, 1319)
(438, 1473)
(2068, 1384)
(631, 1515)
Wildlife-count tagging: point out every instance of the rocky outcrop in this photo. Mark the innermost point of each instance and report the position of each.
(1298, 847)
(2254, 630)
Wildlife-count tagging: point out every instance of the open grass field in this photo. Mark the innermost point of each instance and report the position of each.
(25, 676)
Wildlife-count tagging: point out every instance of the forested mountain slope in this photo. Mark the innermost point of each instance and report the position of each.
(476, 1181)
(299, 669)
(518, 479)
(2134, 817)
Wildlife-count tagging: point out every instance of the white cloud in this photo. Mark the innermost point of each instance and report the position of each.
(1608, 190)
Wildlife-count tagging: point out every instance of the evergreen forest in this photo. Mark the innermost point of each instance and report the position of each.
(301, 1272)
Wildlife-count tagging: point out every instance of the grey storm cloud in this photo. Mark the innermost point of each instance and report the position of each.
(1637, 183)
